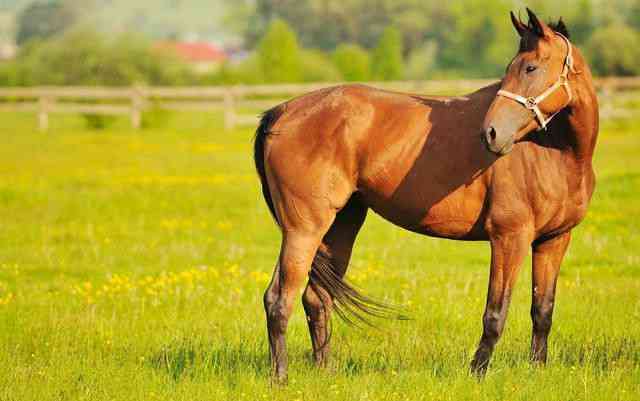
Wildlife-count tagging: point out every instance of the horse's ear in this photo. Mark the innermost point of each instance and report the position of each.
(521, 28)
(561, 28)
(536, 26)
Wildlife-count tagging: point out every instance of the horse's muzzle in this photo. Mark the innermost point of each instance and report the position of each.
(493, 142)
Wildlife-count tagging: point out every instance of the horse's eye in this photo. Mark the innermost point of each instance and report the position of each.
(531, 68)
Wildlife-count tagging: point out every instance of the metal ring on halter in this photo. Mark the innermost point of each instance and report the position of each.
(530, 103)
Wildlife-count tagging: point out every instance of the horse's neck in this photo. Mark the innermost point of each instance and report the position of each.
(583, 121)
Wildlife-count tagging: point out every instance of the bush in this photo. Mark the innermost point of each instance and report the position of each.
(98, 121)
(249, 71)
(353, 62)
(317, 67)
(155, 116)
(387, 56)
(41, 20)
(422, 61)
(279, 54)
(9, 73)
(613, 50)
(89, 58)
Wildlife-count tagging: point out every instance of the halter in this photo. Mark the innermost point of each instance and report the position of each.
(531, 103)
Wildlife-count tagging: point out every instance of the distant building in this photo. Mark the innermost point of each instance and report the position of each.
(7, 51)
(204, 57)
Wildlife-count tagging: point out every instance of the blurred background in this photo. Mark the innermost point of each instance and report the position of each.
(212, 42)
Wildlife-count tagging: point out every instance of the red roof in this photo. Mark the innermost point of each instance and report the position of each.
(195, 52)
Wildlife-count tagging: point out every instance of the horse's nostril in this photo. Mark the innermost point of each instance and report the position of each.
(492, 133)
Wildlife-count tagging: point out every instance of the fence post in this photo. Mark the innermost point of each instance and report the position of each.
(229, 113)
(606, 98)
(137, 103)
(44, 105)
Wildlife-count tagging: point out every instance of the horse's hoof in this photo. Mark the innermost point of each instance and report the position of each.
(279, 380)
(479, 368)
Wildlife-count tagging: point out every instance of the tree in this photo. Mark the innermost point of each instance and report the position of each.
(421, 61)
(83, 57)
(582, 23)
(317, 67)
(387, 61)
(613, 50)
(353, 62)
(279, 54)
(43, 20)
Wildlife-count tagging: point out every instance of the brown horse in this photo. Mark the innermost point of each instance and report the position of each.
(510, 164)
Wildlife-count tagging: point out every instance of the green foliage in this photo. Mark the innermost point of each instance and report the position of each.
(9, 73)
(421, 62)
(42, 20)
(249, 71)
(82, 57)
(387, 63)
(279, 54)
(155, 117)
(477, 37)
(318, 67)
(470, 38)
(353, 62)
(614, 50)
(98, 121)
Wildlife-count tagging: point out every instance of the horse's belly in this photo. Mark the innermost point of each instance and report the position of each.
(457, 216)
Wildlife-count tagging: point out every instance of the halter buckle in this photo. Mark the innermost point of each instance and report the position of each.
(530, 103)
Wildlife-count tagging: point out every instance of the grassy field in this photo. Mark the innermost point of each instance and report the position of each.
(132, 267)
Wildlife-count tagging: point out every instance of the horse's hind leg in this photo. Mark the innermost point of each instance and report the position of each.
(336, 247)
(303, 226)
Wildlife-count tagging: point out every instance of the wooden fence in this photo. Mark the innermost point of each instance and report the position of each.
(617, 98)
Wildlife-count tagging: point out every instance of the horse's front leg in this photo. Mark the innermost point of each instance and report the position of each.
(547, 257)
(507, 253)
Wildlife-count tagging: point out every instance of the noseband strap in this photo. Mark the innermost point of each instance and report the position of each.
(532, 103)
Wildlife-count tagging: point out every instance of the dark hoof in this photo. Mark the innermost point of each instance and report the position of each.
(538, 362)
(279, 380)
(479, 368)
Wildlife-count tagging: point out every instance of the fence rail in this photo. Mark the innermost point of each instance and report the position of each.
(231, 100)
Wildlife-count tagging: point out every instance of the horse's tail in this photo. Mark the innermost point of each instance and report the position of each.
(349, 304)
(269, 117)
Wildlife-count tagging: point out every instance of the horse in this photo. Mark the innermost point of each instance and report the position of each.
(510, 164)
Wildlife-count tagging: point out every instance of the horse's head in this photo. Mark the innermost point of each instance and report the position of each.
(536, 85)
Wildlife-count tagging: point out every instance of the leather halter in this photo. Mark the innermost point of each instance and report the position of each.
(532, 103)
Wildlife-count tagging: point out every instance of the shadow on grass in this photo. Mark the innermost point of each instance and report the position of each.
(199, 360)
(600, 355)
(229, 362)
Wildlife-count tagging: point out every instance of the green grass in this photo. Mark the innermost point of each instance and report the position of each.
(132, 267)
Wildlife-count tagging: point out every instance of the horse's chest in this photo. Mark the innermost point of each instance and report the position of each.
(551, 204)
